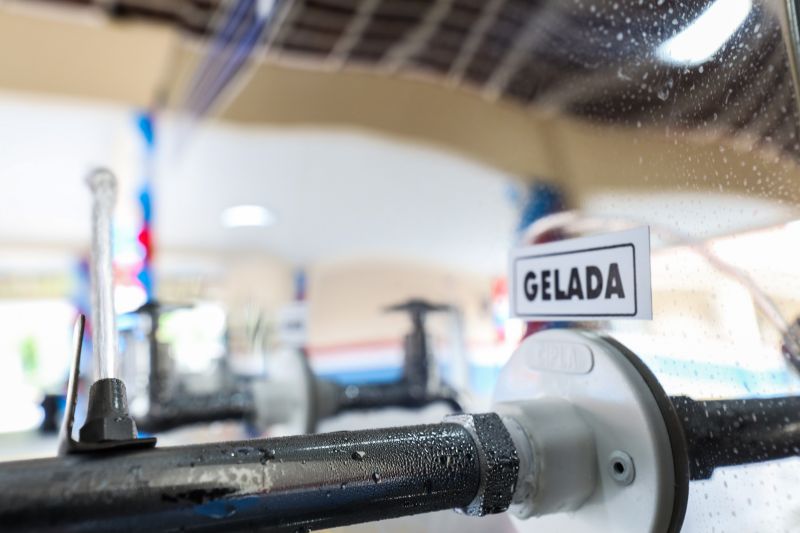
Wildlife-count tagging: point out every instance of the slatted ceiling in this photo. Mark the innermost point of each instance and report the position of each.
(322, 22)
(326, 16)
(515, 10)
(479, 71)
(430, 61)
(391, 27)
(312, 40)
(558, 54)
(381, 33)
(405, 19)
(438, 53)
(365, 53)
(322, 42)
(526, 84)
(460, 18)
(448, 39)
(493, 48)
(310, 25)
(404, 9)
(386, 31)
(503, 32)
(473, 7)
(376, 46)
(372, 47)
(342, 6)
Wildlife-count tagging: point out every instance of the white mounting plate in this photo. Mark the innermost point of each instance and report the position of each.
(619, 406)
(285, 401)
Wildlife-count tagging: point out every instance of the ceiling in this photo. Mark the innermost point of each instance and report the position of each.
(81, 53)
(336, 195)
(333, 195)
(300, 137)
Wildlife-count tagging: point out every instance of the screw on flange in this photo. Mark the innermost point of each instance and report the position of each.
(621, 468)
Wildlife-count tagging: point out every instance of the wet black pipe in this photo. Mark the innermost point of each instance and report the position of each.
(282, 484)
(735, 432)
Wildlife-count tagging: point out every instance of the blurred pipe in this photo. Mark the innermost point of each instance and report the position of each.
(103, 185)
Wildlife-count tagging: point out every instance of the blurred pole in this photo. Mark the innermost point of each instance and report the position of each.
(104, 329)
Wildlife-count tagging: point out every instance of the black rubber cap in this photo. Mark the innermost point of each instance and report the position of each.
(107, 418)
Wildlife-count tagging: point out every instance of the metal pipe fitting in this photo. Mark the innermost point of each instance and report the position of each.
(498, 461)
(557, 456)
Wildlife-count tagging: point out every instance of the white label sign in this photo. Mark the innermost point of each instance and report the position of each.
(596, 277)
(292, 324)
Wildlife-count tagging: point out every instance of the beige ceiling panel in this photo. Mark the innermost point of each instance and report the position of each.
(495, 133)
(82, 56)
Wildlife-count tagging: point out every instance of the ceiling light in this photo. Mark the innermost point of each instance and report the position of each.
(241, 216)
(709, 32)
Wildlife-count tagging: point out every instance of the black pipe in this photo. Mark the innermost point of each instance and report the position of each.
(413, 390)
(330, 398)
(735, 432)
(196, 409)
(416, 362)
(283, 484)
(394, 394)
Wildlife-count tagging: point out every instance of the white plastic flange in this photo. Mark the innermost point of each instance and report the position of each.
(557, 456)
(284, 402)
(600, 453)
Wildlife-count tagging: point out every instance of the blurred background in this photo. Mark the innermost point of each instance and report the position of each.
(289, 170)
